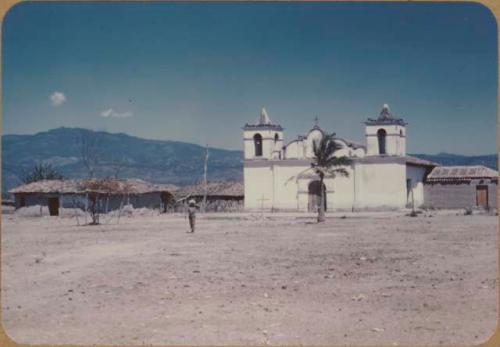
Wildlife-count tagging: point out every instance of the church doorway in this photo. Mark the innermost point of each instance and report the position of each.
(314, 191)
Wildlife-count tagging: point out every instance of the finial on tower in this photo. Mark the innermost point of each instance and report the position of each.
(263, 122)
(264, 118)
(386, 112)
(385, 117)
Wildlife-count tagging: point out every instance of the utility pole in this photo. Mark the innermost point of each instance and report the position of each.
(205, 179)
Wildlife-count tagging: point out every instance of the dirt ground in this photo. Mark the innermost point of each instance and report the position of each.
(380, 278)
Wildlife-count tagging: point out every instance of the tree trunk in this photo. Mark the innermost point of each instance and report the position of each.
(321, 209)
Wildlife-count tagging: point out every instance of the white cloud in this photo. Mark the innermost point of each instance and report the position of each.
(110, 113)
(57, 98)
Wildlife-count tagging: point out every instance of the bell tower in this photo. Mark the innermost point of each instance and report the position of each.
(385, 135)
(263, 140)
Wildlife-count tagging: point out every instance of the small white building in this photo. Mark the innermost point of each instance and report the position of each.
(381, 175)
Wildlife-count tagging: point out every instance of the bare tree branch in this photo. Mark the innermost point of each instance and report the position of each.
(90, 151)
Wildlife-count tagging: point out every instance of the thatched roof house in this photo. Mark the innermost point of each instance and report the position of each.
(76, 193)
(47, 186)
(96, 185)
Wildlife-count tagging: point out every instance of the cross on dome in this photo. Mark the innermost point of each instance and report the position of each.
(316, 121)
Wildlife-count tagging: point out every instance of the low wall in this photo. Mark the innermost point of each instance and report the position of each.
(222, 204)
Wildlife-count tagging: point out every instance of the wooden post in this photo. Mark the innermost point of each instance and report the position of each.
(86, 205)
(107, 204)
(76, 211)
(205, 179)
(412, 201)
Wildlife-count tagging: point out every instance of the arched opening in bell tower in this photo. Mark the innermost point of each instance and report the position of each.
(381, 136)
(257, 140)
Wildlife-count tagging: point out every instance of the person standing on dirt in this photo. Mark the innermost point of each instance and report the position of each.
(191, 213)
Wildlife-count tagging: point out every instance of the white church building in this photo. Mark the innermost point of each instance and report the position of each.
(278, 176)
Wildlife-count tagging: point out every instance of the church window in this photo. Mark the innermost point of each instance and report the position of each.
(381, 135)
(257, 140)
(276, 138)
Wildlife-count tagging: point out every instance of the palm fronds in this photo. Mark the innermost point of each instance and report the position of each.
(325, 162)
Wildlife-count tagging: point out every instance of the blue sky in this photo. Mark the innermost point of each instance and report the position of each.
(198, 72)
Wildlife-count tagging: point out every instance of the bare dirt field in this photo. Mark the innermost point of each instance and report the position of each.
(381, 278)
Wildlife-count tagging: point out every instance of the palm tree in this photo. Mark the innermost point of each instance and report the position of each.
(325, 163)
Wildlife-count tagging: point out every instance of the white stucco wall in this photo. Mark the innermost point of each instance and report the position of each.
(292, 188)
(249, 149)
(313, 136)
(358, 152)
(368, 186)
(339, 191)
(402, 141)
(286, 186)
(278, 147)
(380, 185)
(295, 150)
(416, 174)
(277, 183)
(342, 197)
(258, 182)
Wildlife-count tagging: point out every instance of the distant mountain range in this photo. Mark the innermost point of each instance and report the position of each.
(489, 160)
(127, 156)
